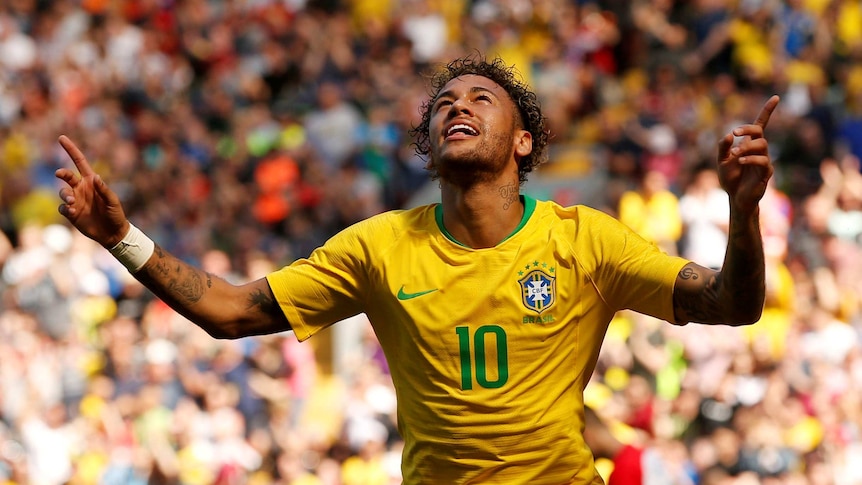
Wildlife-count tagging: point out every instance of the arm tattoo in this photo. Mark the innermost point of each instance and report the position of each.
(160, 267)
(688, 274)
(207, 300)
(182, 284)
(510, 194)
(190, 288)
(264, 303)
(733, 296)
(701, 305)
(745, 267)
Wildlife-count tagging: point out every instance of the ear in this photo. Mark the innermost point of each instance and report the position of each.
(523, 143)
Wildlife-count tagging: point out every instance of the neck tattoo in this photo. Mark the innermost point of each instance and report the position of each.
(509, 193)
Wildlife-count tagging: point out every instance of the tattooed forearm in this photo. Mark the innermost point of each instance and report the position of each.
(160, 266)
(744, 248)
(214, 304)
(733, 296)
(182, 282)
(187, 286)
(744, 269)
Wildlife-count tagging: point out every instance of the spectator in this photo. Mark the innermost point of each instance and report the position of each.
(704, 211)
(333, 127)
(188, 101)
(653, 211)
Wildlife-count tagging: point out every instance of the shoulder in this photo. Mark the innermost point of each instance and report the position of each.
(586, 230)
(388, 226)
(400, 218)
(363, 244)
(582, 216)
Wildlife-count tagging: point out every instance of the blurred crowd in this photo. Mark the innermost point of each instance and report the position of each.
(240, 134)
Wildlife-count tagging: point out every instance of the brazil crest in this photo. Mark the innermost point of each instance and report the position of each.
(538, 290)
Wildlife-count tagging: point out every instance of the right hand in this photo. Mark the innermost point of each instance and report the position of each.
(744, 171)
(88, 203)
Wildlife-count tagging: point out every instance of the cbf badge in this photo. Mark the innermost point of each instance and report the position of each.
(538, 290)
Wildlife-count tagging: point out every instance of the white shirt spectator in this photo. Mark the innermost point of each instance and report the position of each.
(427, 31)
(705, 210)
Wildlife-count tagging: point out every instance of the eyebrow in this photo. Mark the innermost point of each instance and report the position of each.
(473, 90)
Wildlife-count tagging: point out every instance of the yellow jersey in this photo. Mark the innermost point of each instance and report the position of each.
(489, 349)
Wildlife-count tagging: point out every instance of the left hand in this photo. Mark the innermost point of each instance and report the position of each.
(745, 169)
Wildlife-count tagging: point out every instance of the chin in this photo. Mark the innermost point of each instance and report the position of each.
(469, 170)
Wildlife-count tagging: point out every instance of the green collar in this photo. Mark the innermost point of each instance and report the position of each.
(529, 208)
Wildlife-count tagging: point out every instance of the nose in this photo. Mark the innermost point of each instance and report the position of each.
(459, 106)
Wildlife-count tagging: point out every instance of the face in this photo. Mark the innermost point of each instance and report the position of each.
(474, 130)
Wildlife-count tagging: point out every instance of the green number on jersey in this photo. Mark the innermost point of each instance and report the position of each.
(481, 364)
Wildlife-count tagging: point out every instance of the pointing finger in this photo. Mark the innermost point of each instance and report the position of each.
(766, 111)
(77, 157)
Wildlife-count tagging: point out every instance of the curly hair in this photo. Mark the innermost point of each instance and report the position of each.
(525, 99)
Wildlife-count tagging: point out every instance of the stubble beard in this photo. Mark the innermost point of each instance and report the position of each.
(483, 163)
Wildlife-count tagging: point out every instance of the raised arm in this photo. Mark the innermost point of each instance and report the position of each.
(222, 309)
(734, 295)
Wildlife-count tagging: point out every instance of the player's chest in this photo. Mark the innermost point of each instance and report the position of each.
(541, 286)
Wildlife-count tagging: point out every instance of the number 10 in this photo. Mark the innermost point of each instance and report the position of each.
(481, 365)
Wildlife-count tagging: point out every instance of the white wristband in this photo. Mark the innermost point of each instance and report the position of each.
(134, 250)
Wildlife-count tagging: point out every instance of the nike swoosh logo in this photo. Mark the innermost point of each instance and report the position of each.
(407, 296)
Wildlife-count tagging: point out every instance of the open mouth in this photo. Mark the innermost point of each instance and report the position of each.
(459, 131)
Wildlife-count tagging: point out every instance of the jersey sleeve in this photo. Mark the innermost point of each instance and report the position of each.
(634, 273)
(326, 287)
